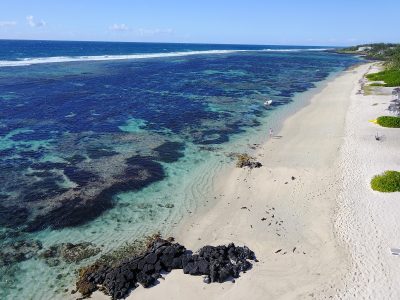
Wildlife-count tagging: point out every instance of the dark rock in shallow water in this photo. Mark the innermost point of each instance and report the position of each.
(14, 252)
(43, 174)
(73, 211)
(76, 159)
(31, 154)
(137, 163)
(96, 153)
(219, 264)
(209, 137)
(43, 189)
(80, 177)
(47, 166)
(170, 151)
(13, 216)
(88, 279)
(71, 253)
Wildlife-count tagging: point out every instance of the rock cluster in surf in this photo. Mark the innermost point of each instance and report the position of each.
(218, 264)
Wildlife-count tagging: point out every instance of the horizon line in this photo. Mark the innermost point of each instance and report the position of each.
(189, 43)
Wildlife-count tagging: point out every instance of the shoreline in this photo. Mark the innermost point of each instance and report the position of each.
(299, 214)
(244, 144)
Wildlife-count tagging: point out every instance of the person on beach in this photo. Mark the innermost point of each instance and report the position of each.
(271, 133)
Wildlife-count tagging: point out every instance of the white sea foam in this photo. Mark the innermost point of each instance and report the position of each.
(62, 59)
(297, 50)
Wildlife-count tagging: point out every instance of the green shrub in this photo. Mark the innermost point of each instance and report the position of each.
(391, 77)
(394, 62)
(387, 121)
(387, 182)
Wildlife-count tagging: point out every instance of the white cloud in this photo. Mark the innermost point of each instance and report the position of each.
(34, 23)
(153, 32)
(142, 32)
(119, 27)
(4, 24)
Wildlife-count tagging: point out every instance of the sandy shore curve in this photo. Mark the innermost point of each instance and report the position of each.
(288, 211)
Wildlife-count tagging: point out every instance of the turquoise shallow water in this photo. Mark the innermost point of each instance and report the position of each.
(109, 151)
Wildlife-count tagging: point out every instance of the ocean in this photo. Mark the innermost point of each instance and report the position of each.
(104, 143)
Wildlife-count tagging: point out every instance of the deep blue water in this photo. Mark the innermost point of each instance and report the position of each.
(17, 50)
(73, 135)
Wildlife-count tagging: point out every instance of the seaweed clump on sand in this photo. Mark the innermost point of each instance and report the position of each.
(117, 278)
(245, 160)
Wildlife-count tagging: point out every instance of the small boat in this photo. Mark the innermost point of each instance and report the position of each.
(268, 102)
(395, 251)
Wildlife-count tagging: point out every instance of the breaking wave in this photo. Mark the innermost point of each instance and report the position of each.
(297, 50)
(62, 59)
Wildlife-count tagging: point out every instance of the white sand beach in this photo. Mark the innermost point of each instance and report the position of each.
(318, 230)
(368, 221)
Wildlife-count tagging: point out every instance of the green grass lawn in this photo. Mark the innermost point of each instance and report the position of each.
(387, 121)
(387, 182)
(391, 77)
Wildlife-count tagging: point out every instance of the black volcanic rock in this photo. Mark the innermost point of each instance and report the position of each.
(218, 264)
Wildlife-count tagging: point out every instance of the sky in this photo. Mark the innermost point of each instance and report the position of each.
(279, 22)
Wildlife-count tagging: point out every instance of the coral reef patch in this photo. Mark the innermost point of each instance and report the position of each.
(18, 251)
(69, 252)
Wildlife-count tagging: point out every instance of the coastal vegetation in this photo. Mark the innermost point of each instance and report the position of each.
(388, 121)
(388, 53)
(387, 182)
(390, 77)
